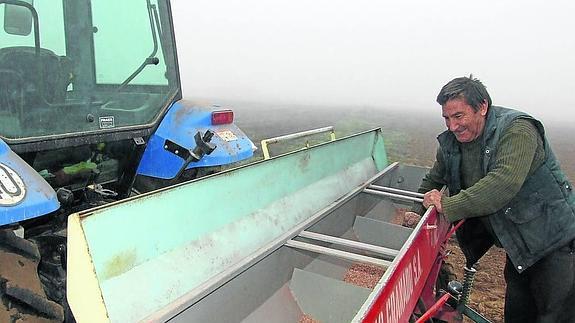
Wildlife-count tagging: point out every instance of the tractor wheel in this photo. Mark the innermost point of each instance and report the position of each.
(22, 297)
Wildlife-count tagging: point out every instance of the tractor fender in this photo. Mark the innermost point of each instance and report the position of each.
(182, 121)
(24, 194)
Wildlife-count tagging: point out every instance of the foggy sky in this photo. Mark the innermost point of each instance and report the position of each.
(378, 53)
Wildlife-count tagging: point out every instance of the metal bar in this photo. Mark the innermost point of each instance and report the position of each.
(350, 243)
(452, 231)
(296, 135)
(473, 315)
(337, 253)
(395, 190)
(433, 309)
(397, 196)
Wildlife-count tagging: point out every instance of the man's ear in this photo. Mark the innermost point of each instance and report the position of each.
(483, 108)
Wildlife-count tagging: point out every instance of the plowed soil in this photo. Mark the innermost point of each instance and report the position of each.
(488, 293)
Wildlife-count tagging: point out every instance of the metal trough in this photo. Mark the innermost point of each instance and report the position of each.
(268, 242)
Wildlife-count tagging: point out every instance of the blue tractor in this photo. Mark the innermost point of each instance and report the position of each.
(90, 113)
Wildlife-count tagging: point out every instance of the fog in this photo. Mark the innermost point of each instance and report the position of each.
(379, 54)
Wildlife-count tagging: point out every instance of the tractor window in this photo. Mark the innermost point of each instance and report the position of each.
(100, 66)
(18, 19)
(124, 40)
(51, 19)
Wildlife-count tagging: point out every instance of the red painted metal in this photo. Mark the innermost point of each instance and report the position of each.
(428, 295)
(433, 309)
(406, 283)
(452, 231)
(222, 117)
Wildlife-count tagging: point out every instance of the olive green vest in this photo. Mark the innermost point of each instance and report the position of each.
(538, 220)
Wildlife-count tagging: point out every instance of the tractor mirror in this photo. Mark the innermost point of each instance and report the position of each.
(18, 18)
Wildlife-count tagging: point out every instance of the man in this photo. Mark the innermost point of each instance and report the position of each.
(505, 181)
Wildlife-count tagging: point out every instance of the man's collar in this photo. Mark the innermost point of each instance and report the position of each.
(490, 124)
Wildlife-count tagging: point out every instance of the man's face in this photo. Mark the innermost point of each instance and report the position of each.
(465, 123)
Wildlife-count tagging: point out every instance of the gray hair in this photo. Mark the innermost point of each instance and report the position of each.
(469, 89)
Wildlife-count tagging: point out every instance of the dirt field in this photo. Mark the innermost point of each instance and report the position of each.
(489, 286)
(410, 139)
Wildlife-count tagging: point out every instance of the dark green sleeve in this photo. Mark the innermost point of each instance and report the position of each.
(514, 158)
(434, 179)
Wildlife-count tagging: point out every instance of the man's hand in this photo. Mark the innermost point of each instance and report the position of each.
(433, 197)
(410, 219)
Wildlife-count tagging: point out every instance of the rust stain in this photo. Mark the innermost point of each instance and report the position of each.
(304, 161)
(228, 146)
(120, 264)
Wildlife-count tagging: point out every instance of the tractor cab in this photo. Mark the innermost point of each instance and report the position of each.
(90, 114)
(88, 93)
(84, 69)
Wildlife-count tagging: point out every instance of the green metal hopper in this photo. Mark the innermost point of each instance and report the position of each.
(267, 242)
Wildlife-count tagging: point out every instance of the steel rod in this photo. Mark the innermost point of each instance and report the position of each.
(395, 190)
(337, 253)
(396, 196)
(296, 135)
(350, 243)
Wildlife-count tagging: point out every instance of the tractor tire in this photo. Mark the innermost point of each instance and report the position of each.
(22, 297)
